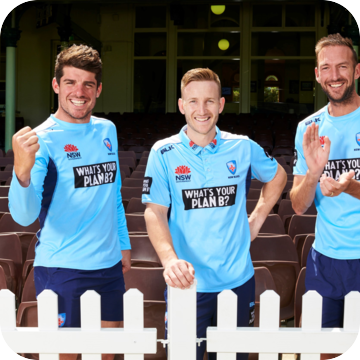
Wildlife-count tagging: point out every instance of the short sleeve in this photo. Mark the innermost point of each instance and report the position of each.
(263, 166)
(300, 166)
(156, 184)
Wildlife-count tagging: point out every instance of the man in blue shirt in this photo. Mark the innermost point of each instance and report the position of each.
(66, 173)
(327, 171)
(195, 193)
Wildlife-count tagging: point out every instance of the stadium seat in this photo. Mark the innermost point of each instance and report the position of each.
(30, 256)
(3, 283)
(8, 181)
(300, 224)
(29, 292)
(4, 175)
(130, 162)
(7, 224)
(250, 206)
(143, 161)
(299, 292)
(253, 194)
(134, 183)
(135, 206)
(142, 249)
(273, 225)
(125, 169)
(10, 249)
(4, 191)
(145, 154)
(129, 192)
(306, 248)
(278, 254)
(4, 205)
(263, 281)
(6, 161)
(256, 184)
(141, 168)
(136, 224)
(281, 160)
(137, 174)
(149, 281)
(127, 154)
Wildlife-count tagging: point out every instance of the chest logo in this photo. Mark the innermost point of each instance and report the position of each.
(182, 174)
(358, 138)
(72, 152)
(107, 143)
(231, 165)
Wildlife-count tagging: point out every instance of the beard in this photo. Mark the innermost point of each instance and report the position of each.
(346, 96)
(76, 117)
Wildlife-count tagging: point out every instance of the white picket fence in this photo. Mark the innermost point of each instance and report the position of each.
(134, 340)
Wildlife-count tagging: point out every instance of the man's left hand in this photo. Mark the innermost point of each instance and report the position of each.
(126, 260)
(330, 187)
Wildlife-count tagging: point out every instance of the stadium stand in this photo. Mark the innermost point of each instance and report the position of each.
(135, 206)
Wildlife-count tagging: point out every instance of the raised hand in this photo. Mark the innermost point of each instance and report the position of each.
(25, 145)
(179, 273)
(330, 187)
(316, 156)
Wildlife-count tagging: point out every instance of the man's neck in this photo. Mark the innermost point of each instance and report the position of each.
(200, 139)
(63, 116)
(342, 109)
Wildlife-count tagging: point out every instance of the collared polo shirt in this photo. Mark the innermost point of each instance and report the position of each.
(205, 191)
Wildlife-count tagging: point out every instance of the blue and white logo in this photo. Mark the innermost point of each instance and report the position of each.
(107, 143)
(358, 138)
(62, 319)
(231, 165)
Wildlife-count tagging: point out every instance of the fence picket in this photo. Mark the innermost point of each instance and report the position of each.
(7, 310)
(182, 323)
(352, 311)
(133, 316)
(269, 317)
(48, 317)
(90, 307)
(227, 317)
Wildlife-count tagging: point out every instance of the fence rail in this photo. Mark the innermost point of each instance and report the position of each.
(134, 340)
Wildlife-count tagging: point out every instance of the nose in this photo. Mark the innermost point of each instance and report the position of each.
(80, 90)
(335, 73)
(202, 108)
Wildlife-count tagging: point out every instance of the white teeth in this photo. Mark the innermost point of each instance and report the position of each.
(202, 119)
(336, 86)
(78, 103)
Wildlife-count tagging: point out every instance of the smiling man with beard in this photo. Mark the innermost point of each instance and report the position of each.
(327, 171)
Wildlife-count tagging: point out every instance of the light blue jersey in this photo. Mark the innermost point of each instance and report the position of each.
(75, 193)
(205, 189)
(337, 232)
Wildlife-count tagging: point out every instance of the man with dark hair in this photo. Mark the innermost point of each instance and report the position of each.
(329, 176)
(195, 193)
(66, 173)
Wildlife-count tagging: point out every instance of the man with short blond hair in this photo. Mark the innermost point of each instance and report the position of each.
(327, 171)
(195, 193)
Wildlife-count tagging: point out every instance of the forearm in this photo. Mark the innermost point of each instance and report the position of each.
(353, 189)
(159, 234)
(303, 193)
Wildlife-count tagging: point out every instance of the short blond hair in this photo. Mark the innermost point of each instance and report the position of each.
(200, 74)
(334, 40)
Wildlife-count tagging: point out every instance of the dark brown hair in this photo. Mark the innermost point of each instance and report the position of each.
(200, 74)
(335, 40)
(81, 57)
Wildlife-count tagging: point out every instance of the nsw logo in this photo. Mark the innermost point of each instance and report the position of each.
(182, 174)
(107, 143)
(72, 152)
(62, 319)
(231, 165)
(358, 138)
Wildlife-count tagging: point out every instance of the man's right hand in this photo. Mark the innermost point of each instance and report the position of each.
(25, 145)
(316, 156)
(179, 273)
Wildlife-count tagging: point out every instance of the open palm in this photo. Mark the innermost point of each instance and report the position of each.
(316, 156)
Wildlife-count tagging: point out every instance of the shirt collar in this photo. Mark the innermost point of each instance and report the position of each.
(212, 147)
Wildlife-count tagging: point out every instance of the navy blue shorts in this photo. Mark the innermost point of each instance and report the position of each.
(70, 284)
(207, 314)
(332, 279)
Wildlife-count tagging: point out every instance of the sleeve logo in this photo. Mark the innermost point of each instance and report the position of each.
(95, 175)
(147, 185)
(219, 196)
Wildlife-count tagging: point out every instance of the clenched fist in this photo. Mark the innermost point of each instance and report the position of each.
(25, 145)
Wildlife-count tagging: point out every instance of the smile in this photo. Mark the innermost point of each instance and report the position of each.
(202, 119)
(78, 102)
(336, 85)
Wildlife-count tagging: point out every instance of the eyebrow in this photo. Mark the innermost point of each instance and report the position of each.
(342, 63)
(85, 82)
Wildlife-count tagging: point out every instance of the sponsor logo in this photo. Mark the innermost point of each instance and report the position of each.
(72, 152)
(219, 196)
(62, 319)
(213, 144)
(182, 174)
(358, 138)
(107, 143)
(322, 140)
(95, 175)
(252, 315)
(334, 168)
(252, 304)
(193, 145)
(231, 165)
(163, 151)
(311, 121)
(147, 185)
(295, 157)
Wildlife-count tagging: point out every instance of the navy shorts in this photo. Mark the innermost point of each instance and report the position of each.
(70, 284)
(332, 279)
(207, 314)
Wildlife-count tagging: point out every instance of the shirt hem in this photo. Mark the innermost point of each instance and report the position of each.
(337, 257)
